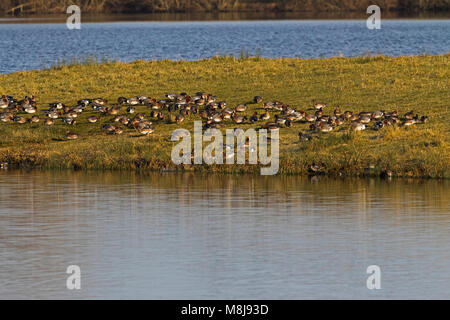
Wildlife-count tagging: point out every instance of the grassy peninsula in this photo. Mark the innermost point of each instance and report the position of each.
(356, 84)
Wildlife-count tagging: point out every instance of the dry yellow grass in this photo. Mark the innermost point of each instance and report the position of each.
(357, 84)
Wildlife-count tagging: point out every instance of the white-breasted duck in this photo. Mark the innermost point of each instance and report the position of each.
(319, 105)
(238, 119)
(410, 115)
(265, 116)
(20, 120)
(99, 101)
(4, 103)
(92, 119)
(358, 126)
(378, 114)
(240, 108)
(71, 136)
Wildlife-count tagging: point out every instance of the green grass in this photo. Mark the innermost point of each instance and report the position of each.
(357, 84)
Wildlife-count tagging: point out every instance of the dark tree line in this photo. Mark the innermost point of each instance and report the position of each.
(139, 6)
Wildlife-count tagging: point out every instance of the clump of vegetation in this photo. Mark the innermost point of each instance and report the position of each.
(355, 84)
(140, 6)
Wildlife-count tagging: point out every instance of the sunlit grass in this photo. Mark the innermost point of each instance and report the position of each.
(357, 84)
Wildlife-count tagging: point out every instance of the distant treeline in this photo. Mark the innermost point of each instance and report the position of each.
(145, 6)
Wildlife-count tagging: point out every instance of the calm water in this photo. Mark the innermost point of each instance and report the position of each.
(34, 46)
(221, 237)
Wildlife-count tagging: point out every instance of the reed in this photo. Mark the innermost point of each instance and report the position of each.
(139, 6)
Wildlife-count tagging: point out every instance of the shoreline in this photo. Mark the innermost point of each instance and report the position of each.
(407, 83)
(218, 16)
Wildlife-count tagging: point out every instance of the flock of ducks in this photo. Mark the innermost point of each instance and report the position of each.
(175, 108)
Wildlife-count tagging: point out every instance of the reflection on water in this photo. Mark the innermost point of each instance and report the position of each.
(223, 16)
(221, 237)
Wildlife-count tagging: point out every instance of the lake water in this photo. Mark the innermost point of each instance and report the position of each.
(173, 236)
(34, 46)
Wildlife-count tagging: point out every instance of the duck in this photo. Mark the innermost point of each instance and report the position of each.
(84, 102)
(325, 127)
(70, 121)
(217, 117)
(254, 117)
(424, 119)
(53, 115)
(365, 119)
(140, 116)
(287, 110)
(72, 114)
(410, 122)
(391, 114)
(358, 126)
(409, 115)
(78, 109)
(226, 115)
(257, 99)
(339, 121)
(171, 96)
(348, 115)
(268, 105)
(92, 119)
(4, 103)
(113, 110)
(6, 117)
(222, 104)
(161, 116)
(265, 116)
(319, 106)
(144, 99)
(316, 168)
(133, 101)
(49, 122)
(365, 114)
(310, 117)
(122, 100)
(304, 137)
(145, 130)
(378, 114)
(118, 131)
(318, 113)
(30, 109)
(71, 136)
(240, 108)
(35, 119)
(270, 126)
(99, 101)
(179, 119)
(20, 120)
(279, 120)
(131, 110)
(299, 115)
(238, 119)
(57, 105)
(379, 125)
(386, 174)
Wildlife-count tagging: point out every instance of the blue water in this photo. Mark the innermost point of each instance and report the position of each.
(190, 236)
(34, 46)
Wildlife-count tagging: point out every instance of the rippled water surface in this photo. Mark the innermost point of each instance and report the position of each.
(221, 237)
(34, 46)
